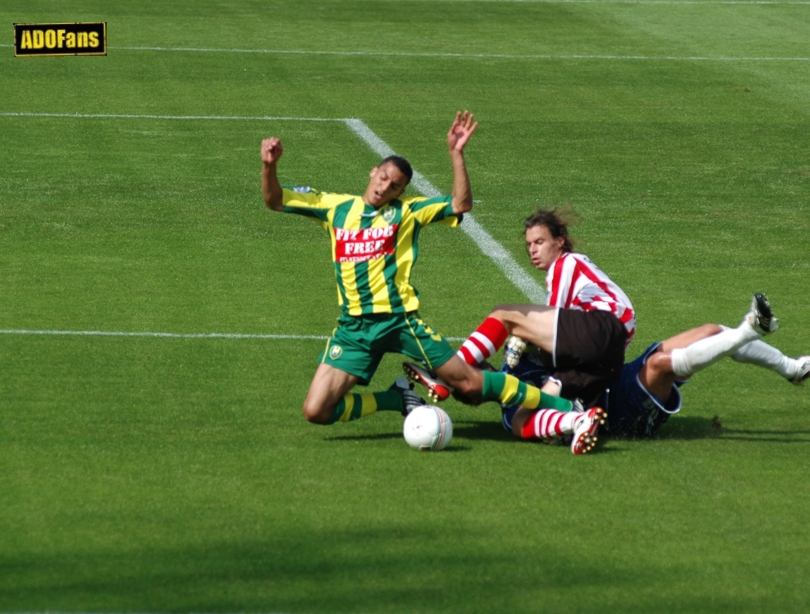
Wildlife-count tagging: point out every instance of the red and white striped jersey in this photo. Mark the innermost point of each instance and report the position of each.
(574, 282)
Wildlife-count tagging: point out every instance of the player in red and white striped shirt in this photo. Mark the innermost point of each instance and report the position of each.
(581, 333)
(574, 282)
(583, 329)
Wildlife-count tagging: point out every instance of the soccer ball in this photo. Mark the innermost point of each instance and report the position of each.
(428, 428)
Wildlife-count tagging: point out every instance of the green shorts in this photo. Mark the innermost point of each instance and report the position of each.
(359, 343)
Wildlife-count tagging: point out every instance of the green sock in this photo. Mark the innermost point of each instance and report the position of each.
(509, 390)
(354, 406)
(389, 400)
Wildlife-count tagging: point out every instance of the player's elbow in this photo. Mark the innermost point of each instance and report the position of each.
(274, 204)
(460, 207)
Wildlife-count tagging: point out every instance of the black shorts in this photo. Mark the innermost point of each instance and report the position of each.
(588, 354)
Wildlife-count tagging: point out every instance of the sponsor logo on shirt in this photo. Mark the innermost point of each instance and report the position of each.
(364, 244)
(302, 188)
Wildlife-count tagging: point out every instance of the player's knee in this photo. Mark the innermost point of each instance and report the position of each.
(474, 400)
(316, 413)
(658, 364)
(468, 387)
(711, 329)
(519, 423)
(499, 312)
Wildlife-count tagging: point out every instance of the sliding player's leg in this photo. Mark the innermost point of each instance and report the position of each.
(495, 386)
(455, 374)
(703, 353)
(567, 339)
(329, 399)
(535, 324)
(647, 393)
(326, 400)
(351, 357)
(549, 424)
(761, 354)
(657, 374)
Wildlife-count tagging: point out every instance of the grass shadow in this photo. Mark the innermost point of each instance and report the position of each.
(481, 429)
(802, 436)
(695, 427)
(687, 428)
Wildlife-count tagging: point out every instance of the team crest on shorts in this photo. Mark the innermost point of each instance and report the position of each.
(389, 214)
(335, 352)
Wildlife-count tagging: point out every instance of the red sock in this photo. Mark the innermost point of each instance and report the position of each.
(484, 342)
(544, 424)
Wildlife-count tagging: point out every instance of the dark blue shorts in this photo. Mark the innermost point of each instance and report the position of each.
(632, 410)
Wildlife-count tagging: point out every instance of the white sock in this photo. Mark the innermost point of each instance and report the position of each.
(763, 355)
(706, 352)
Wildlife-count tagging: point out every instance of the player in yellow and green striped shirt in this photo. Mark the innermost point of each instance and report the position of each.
(374, 247)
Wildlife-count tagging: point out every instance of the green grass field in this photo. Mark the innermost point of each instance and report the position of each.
(176, 474)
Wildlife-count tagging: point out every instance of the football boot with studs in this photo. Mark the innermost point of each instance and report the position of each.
(760, 315)
(437, 390)
(410, 399)
(513, 350)
(585, 429)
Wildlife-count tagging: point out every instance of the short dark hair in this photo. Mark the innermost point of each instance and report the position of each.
(556, 224)
(401, 163)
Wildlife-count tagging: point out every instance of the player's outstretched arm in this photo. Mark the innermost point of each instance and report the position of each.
(271, 188)
(457, 138)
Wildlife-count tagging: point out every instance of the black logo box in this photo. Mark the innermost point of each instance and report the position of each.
(37, 39)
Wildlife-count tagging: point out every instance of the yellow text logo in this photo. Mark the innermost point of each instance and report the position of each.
(36, 39)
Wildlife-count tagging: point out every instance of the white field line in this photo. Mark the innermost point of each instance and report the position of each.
(106, 333)
(507, 56)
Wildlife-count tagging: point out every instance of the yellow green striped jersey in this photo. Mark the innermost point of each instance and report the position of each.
(373, 250)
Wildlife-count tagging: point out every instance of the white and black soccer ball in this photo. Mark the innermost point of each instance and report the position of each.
(428, 428)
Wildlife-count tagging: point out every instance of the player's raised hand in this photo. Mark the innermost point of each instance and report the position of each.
(271, 150)
(461, 131)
